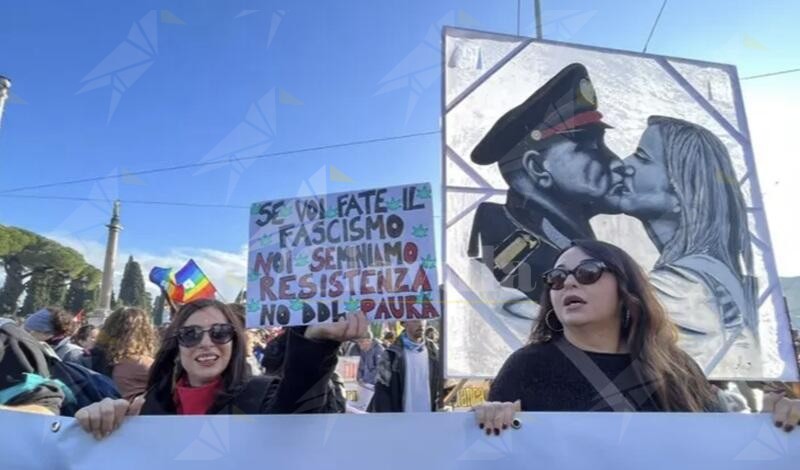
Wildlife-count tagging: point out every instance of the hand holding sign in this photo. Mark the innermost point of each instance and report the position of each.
(353, 327)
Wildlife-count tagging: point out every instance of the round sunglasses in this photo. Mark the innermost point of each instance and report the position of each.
(586, 272)
(191, 336)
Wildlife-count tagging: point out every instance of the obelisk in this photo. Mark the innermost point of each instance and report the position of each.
(5, 85)
(114, 228)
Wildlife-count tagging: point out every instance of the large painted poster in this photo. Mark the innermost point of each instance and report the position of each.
(547, 142)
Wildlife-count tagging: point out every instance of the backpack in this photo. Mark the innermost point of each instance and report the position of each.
(86, 385)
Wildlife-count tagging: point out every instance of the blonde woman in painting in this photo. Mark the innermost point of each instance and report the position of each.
(682, 186)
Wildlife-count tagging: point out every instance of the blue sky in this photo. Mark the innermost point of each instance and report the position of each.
(204, 81)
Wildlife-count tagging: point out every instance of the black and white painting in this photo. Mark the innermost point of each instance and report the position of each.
(547, 142)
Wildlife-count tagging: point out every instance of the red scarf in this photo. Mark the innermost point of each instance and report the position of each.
(195, 400)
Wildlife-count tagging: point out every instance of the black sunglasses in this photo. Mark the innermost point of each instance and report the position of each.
(191, 336)
(586, 272)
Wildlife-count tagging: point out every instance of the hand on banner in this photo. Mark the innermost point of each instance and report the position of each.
(354, 327)
(105, 416)
(785, 411)
(496, 416)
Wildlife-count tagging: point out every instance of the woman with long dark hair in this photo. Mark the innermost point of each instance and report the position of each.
(601, 342)
(200, 368)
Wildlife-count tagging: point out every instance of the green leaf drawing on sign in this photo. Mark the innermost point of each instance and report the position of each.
(252, 276)
(255, 208)
(253, 306)
(424, 192)
(420, 231)
(301, 260)
(331, 213)
(394, 204)
(266, 240)
(422, 297)
(352, 305)
(285, 211)
(429, 262)
(296, 304)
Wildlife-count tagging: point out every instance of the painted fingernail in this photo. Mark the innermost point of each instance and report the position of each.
(488, 432)
(778, 424)
(496, 432)
(505, 426)
(788, 428)
(481, 425)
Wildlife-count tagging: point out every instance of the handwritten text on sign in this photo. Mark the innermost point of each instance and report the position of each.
(315, 259)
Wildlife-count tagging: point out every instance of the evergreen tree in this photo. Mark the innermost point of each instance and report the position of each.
(56, 289)
(36, 293)
(158, 310)
(131, 290)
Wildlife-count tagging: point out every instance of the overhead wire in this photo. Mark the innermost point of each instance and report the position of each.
(655, 23)
(218, 162)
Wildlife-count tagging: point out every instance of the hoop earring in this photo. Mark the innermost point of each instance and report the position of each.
(547, 322)
(626, 319)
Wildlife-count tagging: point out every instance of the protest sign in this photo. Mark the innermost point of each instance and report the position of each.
(439, 441)
(316, 259)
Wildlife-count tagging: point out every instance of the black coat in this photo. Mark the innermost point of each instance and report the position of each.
(303, 387)
(390, 386)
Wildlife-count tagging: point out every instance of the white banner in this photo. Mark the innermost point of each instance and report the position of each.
(389, 441)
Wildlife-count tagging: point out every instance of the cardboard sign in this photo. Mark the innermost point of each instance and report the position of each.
(316, 259)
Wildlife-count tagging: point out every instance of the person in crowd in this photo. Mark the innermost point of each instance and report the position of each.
(370, 351)
(409, 376)
(388, 339)
(432, 334)
(200, 368)
(86, 337)
(25, 381)
(602, 342)
(125, 349)
(274, 363)
(54, 326)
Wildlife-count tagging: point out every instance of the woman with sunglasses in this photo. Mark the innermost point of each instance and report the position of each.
(601, 342)
(200, 368)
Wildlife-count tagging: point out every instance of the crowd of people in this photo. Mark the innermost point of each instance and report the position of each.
(602, 342)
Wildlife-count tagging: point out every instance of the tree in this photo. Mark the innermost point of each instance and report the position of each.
(36, 293)
(23, 254)
(131, 290)
(83, 290)
(241, 297)
(158, 309)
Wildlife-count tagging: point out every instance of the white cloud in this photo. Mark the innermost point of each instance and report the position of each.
(225, 269)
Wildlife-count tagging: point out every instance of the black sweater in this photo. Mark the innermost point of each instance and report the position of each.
(561, 377)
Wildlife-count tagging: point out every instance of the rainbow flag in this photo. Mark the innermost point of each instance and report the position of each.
(187, 284)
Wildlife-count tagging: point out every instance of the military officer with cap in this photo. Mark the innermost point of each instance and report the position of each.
(550, 151)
